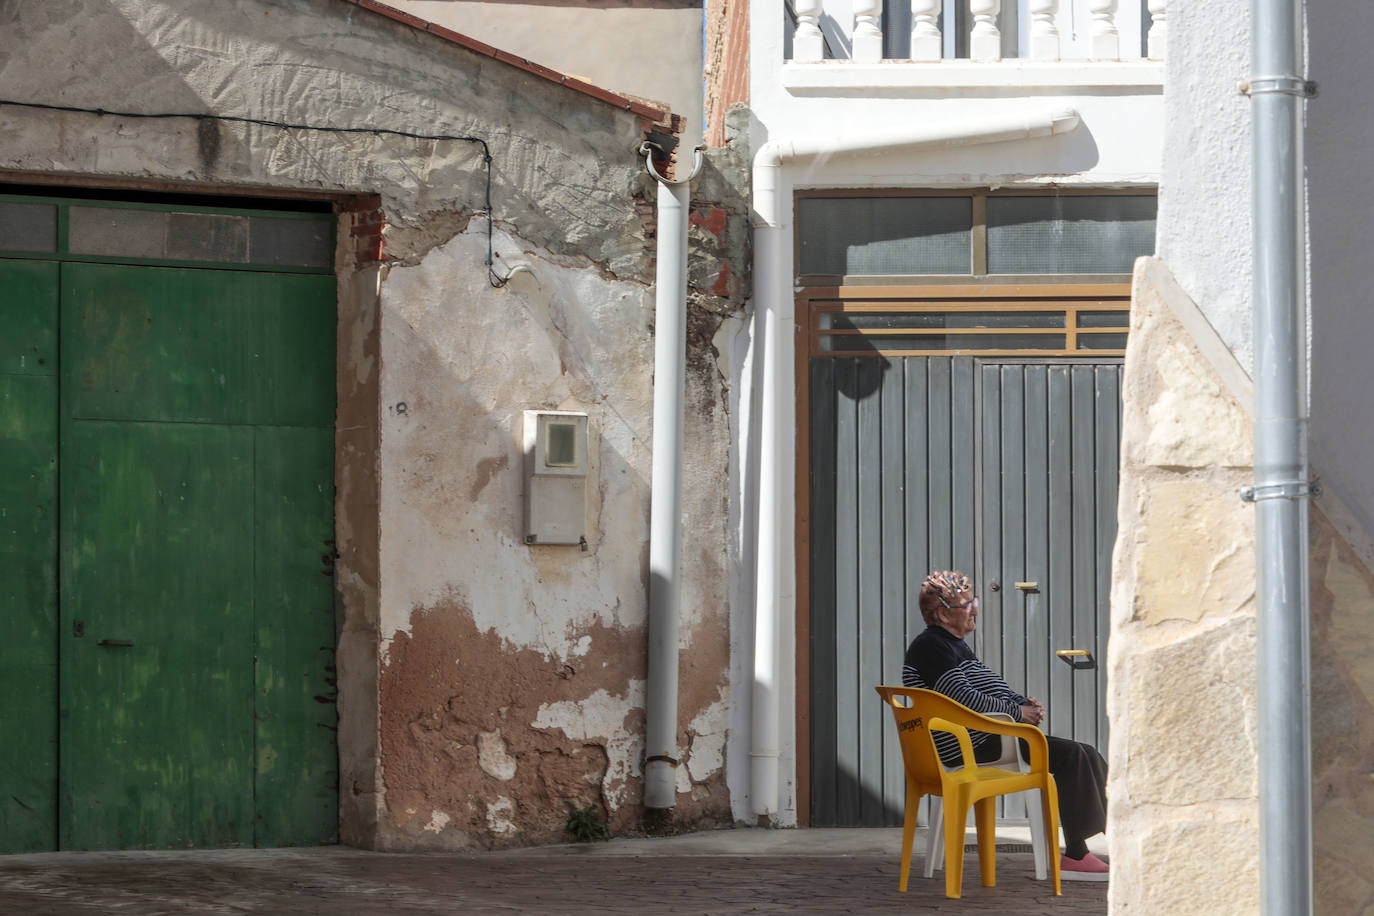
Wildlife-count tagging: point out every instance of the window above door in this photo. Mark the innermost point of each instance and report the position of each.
(948, 236)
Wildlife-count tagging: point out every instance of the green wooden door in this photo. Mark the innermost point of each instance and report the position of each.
(28, 555)
(197, 632)
(156, 636)
(167, 636)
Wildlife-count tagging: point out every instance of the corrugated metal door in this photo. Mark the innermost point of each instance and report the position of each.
(1006, 469)
(1048, 449)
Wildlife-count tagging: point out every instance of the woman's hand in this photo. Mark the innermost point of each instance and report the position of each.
(1032, 713)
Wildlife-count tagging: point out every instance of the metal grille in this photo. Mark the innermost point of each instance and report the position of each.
(1080, 320)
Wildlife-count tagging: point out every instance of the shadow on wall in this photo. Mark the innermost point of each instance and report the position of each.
(844, 801)
(1340, 204)
(108, 63)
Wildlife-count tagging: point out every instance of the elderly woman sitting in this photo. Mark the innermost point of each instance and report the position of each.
(939, 659)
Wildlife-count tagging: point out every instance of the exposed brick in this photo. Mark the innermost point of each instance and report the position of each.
(712, 219)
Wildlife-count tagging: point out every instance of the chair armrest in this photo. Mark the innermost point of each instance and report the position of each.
(938, 724)
(1034, 737)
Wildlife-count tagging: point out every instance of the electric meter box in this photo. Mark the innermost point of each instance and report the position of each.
(555, 477)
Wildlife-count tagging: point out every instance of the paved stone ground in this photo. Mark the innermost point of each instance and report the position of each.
(725, 872)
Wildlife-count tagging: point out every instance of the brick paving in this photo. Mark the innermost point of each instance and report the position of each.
(742, 871)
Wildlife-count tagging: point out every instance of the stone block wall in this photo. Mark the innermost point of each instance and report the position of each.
(1183, 792)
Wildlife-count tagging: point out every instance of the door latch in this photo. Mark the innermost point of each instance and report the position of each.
(1078, 659)
(116, 643)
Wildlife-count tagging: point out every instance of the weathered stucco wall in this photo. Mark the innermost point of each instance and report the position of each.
(484, 684)
(513, 675)
(1182, 676)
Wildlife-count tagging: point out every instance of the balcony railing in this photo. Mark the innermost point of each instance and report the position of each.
(978, 30)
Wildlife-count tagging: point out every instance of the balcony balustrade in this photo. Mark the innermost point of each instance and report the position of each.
(869, 31)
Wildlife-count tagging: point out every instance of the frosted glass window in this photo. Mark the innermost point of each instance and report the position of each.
(293, 242)
(28, 227)
(865, 321)
(849, 342)
(1101, 341)
(1069, 234)
(1104, 319)
(207, 237)
(885, 236)
(116, 232)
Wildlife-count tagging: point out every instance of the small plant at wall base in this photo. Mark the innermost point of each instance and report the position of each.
(585, 824)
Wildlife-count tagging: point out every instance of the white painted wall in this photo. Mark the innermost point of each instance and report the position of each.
(1204, 196)
(1204, 215)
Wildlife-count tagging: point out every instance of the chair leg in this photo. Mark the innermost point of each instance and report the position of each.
(1050, 795)
(956, 815)
(985, 814)
(935, 838)
(913, 804)
(1035, 814)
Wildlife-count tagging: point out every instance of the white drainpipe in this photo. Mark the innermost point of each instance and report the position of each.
(774, 319)
(1281, 488)
(665, 507)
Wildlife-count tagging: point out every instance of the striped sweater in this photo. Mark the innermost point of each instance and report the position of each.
(940, 661)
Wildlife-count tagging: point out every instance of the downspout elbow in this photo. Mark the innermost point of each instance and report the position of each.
(767, 175)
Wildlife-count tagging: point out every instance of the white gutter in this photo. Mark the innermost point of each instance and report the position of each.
(774, 321)
(665, 507)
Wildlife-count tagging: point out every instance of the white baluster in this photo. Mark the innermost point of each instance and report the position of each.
(868, 31)
(985, 42)
(807, 42)
(926, 42)
(1159, 30)
(1104, 41)
(1044, 35)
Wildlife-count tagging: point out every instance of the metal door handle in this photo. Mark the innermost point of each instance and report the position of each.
(1028, 586)
(1077, 658)
(116, 643)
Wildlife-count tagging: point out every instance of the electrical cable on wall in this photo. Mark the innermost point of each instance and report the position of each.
(495, 280)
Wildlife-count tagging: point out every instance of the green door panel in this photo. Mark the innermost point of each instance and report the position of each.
(156, 724)
(28, 612)
(297, 760)
(205, 346)
(188, 525)
(28, 317)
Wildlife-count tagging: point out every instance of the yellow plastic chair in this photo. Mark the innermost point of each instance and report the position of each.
(1011, 759)
(919, 712)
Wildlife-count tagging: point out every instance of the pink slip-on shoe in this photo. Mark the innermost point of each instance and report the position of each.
(1088, 868)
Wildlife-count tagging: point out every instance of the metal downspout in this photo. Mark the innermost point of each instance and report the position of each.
(665, 508)
(1281, 487)
(774, 329)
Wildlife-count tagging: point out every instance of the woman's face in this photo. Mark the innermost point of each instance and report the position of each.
(960, 616)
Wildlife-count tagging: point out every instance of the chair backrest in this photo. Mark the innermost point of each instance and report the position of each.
(913, 708)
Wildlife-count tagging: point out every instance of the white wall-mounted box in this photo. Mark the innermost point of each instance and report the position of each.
(555, 477)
